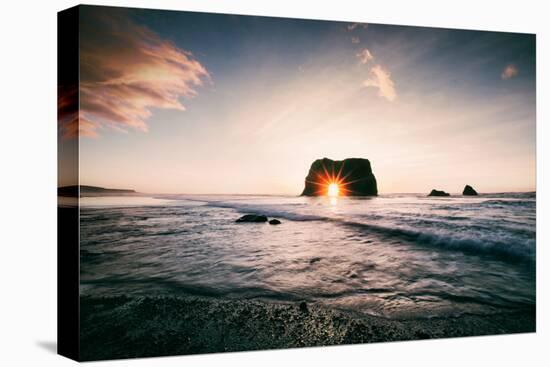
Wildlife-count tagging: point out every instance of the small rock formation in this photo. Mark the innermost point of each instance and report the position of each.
(469, 191)
(354, 176)
(435, 192)
(252, 218)
(274, 221)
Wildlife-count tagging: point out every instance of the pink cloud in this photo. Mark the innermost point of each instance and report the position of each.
(509, 71)
(69, 124)
(126, 70)
(381, 78)
(365, 56)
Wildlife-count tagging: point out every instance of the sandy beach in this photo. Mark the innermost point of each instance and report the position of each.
(126, 327)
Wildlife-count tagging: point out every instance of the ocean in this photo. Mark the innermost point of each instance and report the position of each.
(398, 257)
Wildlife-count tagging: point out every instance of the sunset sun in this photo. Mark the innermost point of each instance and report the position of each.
(333, 190)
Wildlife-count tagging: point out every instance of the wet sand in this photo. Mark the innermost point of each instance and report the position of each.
(130, 327)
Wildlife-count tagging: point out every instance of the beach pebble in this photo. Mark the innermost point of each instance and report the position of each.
(274, 221)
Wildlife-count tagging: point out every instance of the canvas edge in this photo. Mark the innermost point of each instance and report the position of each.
(68, 253)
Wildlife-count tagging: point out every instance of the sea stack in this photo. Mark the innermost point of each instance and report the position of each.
(469, 191)
(435, 192)
(353, 177)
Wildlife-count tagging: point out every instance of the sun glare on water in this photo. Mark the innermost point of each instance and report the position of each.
(333, 190)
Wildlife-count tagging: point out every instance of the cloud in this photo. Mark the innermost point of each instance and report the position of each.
(509, 72)
(126, 70)
(355, 40)
(381, 78)
(365, 56)
(67, 111)
(352, 26)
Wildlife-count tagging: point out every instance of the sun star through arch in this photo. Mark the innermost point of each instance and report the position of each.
(333, 184)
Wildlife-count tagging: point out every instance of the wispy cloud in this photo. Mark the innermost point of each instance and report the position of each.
(355, 40)
(365, 56)
(67, 111)
(509, 71)
(352, 26)
(381, 78)
(126, 71)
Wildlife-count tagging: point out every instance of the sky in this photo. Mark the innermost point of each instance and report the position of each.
(183, 102)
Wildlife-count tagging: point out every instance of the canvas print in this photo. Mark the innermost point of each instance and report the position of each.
(237, 183)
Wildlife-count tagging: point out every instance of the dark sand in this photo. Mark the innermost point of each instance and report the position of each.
(124, 327)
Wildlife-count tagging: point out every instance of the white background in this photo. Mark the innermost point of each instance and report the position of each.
(28, 182)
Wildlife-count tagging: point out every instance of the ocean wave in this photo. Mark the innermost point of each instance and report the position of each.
(504, 247)
(438, 231)
(512, 202)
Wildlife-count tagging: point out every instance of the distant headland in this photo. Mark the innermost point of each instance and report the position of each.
(72, 191)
